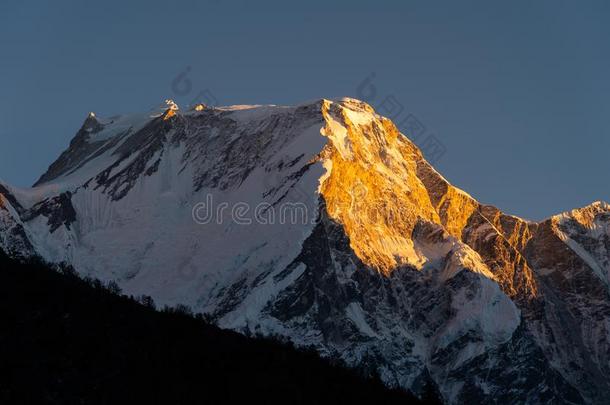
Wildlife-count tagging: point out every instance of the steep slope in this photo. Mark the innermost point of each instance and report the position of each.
(570, 255)
(13, 238)
(322, 223)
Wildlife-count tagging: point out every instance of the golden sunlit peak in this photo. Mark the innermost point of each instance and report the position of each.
(169, 114)
(200, 107)
(370, 186)
(172, 105)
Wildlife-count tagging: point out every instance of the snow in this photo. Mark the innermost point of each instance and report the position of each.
(172, 105)
(146, 233)
(337, 133)
(10, 221)
(356, 314)
(359, 118)
(250, 113)
(119, 126)
(586, 256)
(150, 244)
(596, 256)
(28, 197)
(240, 107)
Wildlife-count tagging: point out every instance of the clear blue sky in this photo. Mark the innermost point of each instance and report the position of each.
(517, 92)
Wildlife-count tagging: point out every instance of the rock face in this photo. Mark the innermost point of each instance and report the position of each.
(323, 224)
(13, 238)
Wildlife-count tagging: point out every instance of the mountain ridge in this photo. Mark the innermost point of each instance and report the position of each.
(387, 239)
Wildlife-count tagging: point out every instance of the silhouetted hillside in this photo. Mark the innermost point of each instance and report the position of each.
(66, 341)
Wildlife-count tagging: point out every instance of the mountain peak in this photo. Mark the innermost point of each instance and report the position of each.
(362, 248)
(171, 105)
(592, 209)
(601, 204)
(92, 124)
(354, 104)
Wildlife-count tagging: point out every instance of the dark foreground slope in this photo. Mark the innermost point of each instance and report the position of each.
(64, 340)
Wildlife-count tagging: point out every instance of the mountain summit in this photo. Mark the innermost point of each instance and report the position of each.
(323, 224)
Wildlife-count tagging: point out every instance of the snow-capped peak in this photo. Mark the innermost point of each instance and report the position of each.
(362, 250)
(172, 105)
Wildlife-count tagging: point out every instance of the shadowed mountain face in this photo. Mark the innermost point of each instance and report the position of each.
(323, 224)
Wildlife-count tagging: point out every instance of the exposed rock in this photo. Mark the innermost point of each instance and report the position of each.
(354, 245)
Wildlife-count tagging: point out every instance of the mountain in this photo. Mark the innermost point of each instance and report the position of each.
(323, 224)
(70, 341)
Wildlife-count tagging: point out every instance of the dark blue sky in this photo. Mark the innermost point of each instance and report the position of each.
(517, 93)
